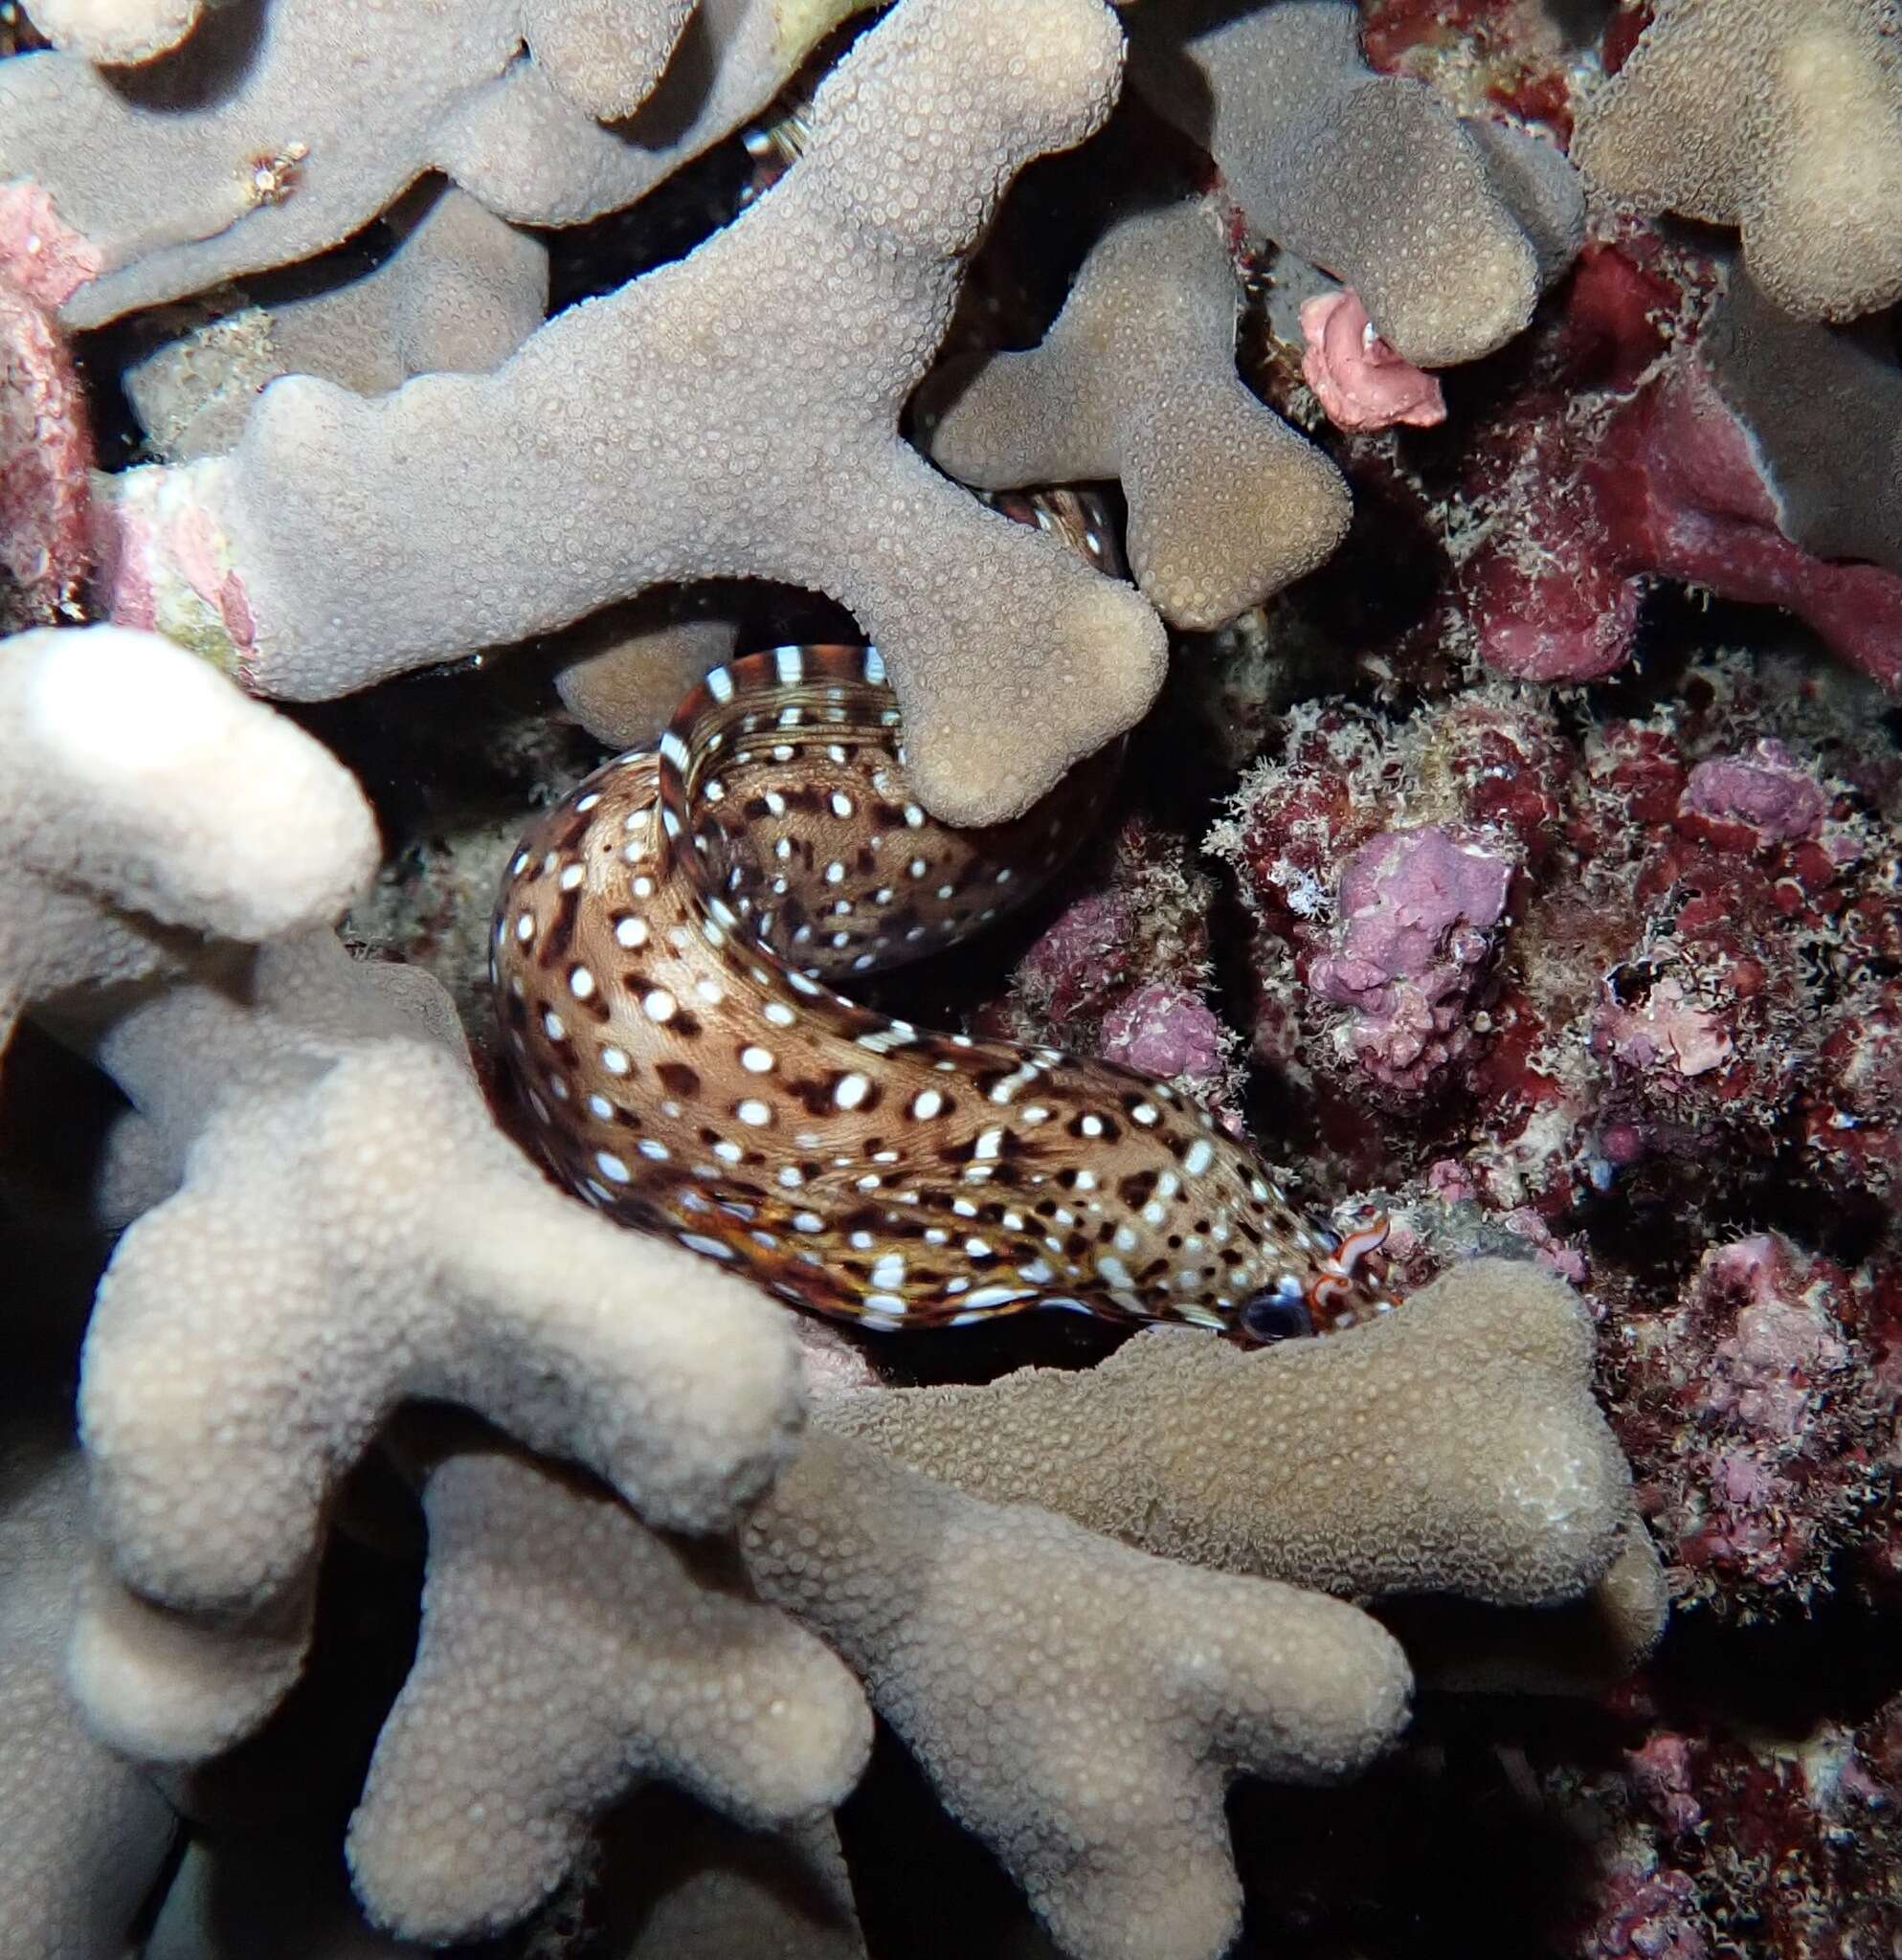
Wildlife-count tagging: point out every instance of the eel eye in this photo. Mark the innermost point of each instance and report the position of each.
(1279, 1314)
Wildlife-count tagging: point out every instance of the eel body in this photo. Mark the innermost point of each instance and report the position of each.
(666, 957)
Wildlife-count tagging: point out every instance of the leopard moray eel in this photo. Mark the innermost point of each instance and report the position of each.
(663, 962)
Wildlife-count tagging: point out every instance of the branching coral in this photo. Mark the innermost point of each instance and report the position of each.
(1454, 1448)
(1445, 237)
(721, 1891)
(641, 440)
(276, 130)
(1785, 120)
(83, 1833)
(307, 1216)
(316, 1263)
(1136, 381)
(1826, 415)
(567, 1651)
(113, 33)
(459, 293)
(1609, 978)
(125, 762)
(1080, 1706)
(622, 677)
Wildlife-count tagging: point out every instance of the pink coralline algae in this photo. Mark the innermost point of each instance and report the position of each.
(1122, 972)
(1650, 1914)
(1621, 463)
(45, 439)
(1393, 921)
(1657, 951)
(1661, 1773)
(39, 253)
(1715, 1012)
(1664, 1030)
(1765, 791)
(1417, 912)
(1852, 1108)
(1075, 968)
(1164, 1031)
(1759, 1431)
(1505, 52)
(1361, 383)
(1686, 1826)
(1758, 937)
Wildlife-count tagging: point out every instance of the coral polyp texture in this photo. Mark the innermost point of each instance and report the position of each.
(1446, 237)
(86, 1832)
(1786, 122)
(276, 131)
(567, 1651)
(1082, 1708)
(1136, 381)
(1258, 645)
(460, 292)
(1200, 1452)
(654, 444)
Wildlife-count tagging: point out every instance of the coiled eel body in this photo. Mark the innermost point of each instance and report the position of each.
(664, 962)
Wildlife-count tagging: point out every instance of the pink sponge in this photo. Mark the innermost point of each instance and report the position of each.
(1417, 908)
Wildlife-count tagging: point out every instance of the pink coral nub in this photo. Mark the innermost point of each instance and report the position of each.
(1361, 383)
(1417, 908)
